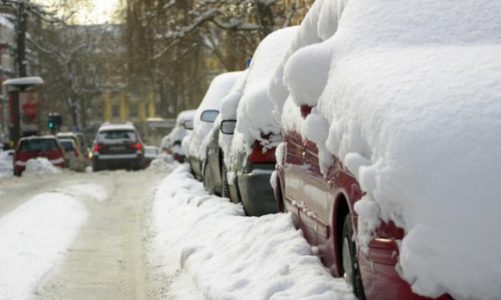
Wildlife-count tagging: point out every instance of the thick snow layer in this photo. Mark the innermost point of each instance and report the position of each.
(254, 111)
(35, 238)
(40, 166)
(218, 89)
(215, 252)
(91, 190)
(409, 94)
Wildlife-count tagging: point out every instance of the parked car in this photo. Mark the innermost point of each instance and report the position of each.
(172, 143)
(37, 146)
(81, 143)
(204, 116)
(150, 154)
(377, 119)
(72, 155)
(249, 154)
(117, 146)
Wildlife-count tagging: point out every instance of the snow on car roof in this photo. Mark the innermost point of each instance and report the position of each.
(406, 95)
(117, 126)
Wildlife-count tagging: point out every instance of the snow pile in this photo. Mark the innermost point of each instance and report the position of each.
(218, 89)
(34, 239)
(5, 164)
(160, 165)
(254, 111)
(407, 95)
(40, 166)
(222, 254)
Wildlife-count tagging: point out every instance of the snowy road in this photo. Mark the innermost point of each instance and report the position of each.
(106, 259)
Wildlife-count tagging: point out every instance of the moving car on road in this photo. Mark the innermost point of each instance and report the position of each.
(37, 146)
(117, 146)
(74, 159)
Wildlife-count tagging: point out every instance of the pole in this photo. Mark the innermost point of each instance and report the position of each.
(21, 17)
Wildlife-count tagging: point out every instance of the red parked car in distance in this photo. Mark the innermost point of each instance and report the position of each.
(37, 146)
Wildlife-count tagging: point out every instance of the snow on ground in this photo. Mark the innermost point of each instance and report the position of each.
(207, 248)
(34, 238)
(40, 166)
(91, 190)
(5, 164)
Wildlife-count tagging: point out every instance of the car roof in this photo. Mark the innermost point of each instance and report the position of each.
(117, 126)
(37, 137)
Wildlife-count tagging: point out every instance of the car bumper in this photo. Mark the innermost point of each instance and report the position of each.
(256, 192)
(119, 161)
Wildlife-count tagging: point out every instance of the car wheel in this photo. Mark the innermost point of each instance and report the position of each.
(207, 180)
(95, 167)
(17, 173)
(225, 187)
(350, 263)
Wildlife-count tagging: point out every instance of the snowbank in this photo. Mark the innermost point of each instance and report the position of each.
(34, 239)
(407, 95)
(40, 166)
(221, 253)
(5, 164)
(218, 89)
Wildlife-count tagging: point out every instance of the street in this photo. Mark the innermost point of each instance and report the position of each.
(107, 258)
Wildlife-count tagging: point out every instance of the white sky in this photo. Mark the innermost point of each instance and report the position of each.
(101, 11)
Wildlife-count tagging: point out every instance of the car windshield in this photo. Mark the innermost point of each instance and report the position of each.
(114, 136)
(68, 145)
(38, 145)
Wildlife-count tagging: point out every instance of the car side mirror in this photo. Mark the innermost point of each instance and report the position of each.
(188, 124)
(228, 126)
(209, 115)
(305, 110)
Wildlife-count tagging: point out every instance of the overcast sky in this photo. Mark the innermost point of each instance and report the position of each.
(100, 13)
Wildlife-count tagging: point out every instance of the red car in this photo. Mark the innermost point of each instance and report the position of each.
(37, 146)
(323, 207)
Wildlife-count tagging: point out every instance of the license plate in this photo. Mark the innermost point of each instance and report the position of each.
(117, 148)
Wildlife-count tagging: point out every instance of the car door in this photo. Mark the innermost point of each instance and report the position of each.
(315, 211)
(293, 183)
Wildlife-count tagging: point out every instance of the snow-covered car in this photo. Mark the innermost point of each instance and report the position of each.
(73, 157)
(250, 132)
(204, 117)
(117, 146)
(171, 144)
(37, 146)
(214, 171)
(390, 112)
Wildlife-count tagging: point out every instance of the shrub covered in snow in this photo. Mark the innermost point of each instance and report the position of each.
(407, 95)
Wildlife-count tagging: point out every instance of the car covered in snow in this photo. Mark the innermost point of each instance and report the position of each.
(249, 131)
(171, 144)
(117, 146)
(390, 112)
(37, 146)
(204, 117)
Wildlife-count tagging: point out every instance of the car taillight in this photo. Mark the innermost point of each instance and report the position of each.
(96, 148)
(137, 146)
(261, 156)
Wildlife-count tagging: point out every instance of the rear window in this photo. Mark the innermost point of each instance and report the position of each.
(38, 145)
(68, 145)
(116, 136)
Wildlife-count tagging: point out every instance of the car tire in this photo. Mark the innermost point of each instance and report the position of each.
(207, 180)
(17, 173)
(225, 187)
(349, 258)
(96, 167)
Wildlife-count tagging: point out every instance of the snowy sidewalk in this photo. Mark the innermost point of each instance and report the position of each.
(207, 248)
